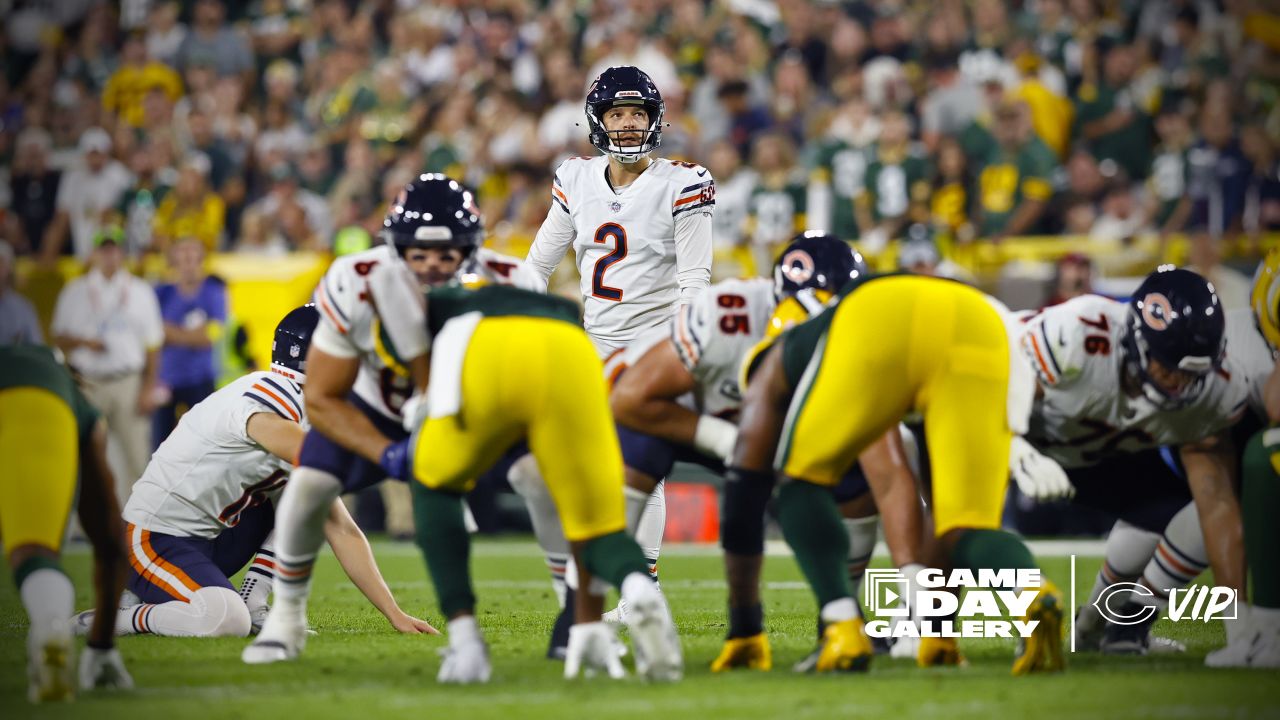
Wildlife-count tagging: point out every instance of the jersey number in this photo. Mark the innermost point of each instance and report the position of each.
(253, 496)
(619, 235)
(733, 323)
(1097, 344)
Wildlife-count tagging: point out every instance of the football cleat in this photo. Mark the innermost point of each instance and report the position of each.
(466, 660)
(751, 652)
(49, 670)
(1089, 629)
(617, 616)
(81, 622)
(936, 652)
(1127, 639)
(845, 648)
(1164, 646)
(1042, 652)
(653, 633)
(282, 638)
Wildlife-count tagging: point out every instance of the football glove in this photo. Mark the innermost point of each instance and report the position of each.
(593, 647)
(751, 652)
(103, 669)
(1038, 477)
(395, 461)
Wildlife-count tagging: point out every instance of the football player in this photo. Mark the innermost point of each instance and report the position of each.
(507, 365)
(823, 393)
(367, 357)
(641, 231)
(204, 506)
(1255, 335)
(1117, 381)
(48, 434)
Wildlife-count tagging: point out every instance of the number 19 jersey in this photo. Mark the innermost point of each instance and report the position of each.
(635, 248)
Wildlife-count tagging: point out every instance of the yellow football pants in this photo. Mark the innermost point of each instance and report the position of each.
(540, 378)
(39, 457)
(909, 343)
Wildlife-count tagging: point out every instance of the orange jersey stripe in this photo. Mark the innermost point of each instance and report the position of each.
(688, 200)
(333, 317)
(1035, 345)
(560, 194)
(259, 387)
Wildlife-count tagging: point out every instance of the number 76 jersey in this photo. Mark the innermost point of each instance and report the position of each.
(1085, 416)
(634, 248)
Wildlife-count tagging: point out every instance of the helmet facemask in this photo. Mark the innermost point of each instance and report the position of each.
(609, 141)
(1137, 365)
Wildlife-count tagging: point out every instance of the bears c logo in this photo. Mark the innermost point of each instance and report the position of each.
(1157, 311)
(797, 266)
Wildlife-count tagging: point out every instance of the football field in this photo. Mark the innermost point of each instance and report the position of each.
(357, 668)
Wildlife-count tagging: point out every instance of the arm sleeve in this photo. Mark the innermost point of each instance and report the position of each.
(554, 237)
(692, 210)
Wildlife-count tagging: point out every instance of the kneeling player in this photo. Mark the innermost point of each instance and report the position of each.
(48, 433)
(831, 386)
(204, 506)
(507, 365)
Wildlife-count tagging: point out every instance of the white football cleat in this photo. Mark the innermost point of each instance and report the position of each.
(103, 670)
(49, 668)
(466, 660)
(81, 622)
(282, 638)
(653, 632)
(616, 617)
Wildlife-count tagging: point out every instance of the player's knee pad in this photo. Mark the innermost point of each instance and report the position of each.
(526, 478)
(224, 611)
(746, 494)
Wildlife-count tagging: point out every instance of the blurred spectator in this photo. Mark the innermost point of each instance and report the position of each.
(1262, 198)
(192, 210)
(951, 197)
(1122, 216)
(194, 309)
(85, 193)
(1072, 277)
(137, 76)
(33, 187)
(1218, 176)
(953, 101)
(300, 216)
(919, 255)
(1112, 119)
(1051, 113)
(843, 165)
(212, 41)
(137, 207)
(896, 185)
(108, 324)
(777, 209)
(396, 116)
(1014, 179)
(627, 47)
(746, 118)
(1167, 182)
(734, 184)
(18, 321)
(164, 33)
(1205, 257)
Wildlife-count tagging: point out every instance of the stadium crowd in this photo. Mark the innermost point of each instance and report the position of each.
(266, 127)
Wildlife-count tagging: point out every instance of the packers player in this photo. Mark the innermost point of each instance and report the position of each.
(822, 394)
(48, 434)
(507, 365)
(1258, 645)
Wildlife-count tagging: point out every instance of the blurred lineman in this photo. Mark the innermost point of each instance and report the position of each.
(48, 434)
(204, 508)
(900, 344)
(506, 365)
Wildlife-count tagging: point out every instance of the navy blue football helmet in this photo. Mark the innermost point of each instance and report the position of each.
(434, 211)
(624, 85)
(1175, 318)
(291, 342)
(816, 261)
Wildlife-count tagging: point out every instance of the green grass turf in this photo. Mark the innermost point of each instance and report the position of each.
(357, 668)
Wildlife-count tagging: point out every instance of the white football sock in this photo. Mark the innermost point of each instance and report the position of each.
(255, 588)
(839, 610)
(862, 543)
(1129, 549)
(299, 533)
(653, 523)
(49, 599)
(212, 612)
(1179, 558)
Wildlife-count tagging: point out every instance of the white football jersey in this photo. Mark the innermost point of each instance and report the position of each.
(638, 250)
(371, 307)
(1084, 415)
(498, 269)
(1248, 353)
(208, 471)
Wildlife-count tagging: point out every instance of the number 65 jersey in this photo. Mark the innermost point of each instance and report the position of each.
(638, 250)
(1085, 416)
(208, 471)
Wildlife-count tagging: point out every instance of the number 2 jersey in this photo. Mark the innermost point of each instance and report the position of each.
(1085, 416)
(208, 471)
(638, 250)
(712, 335)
